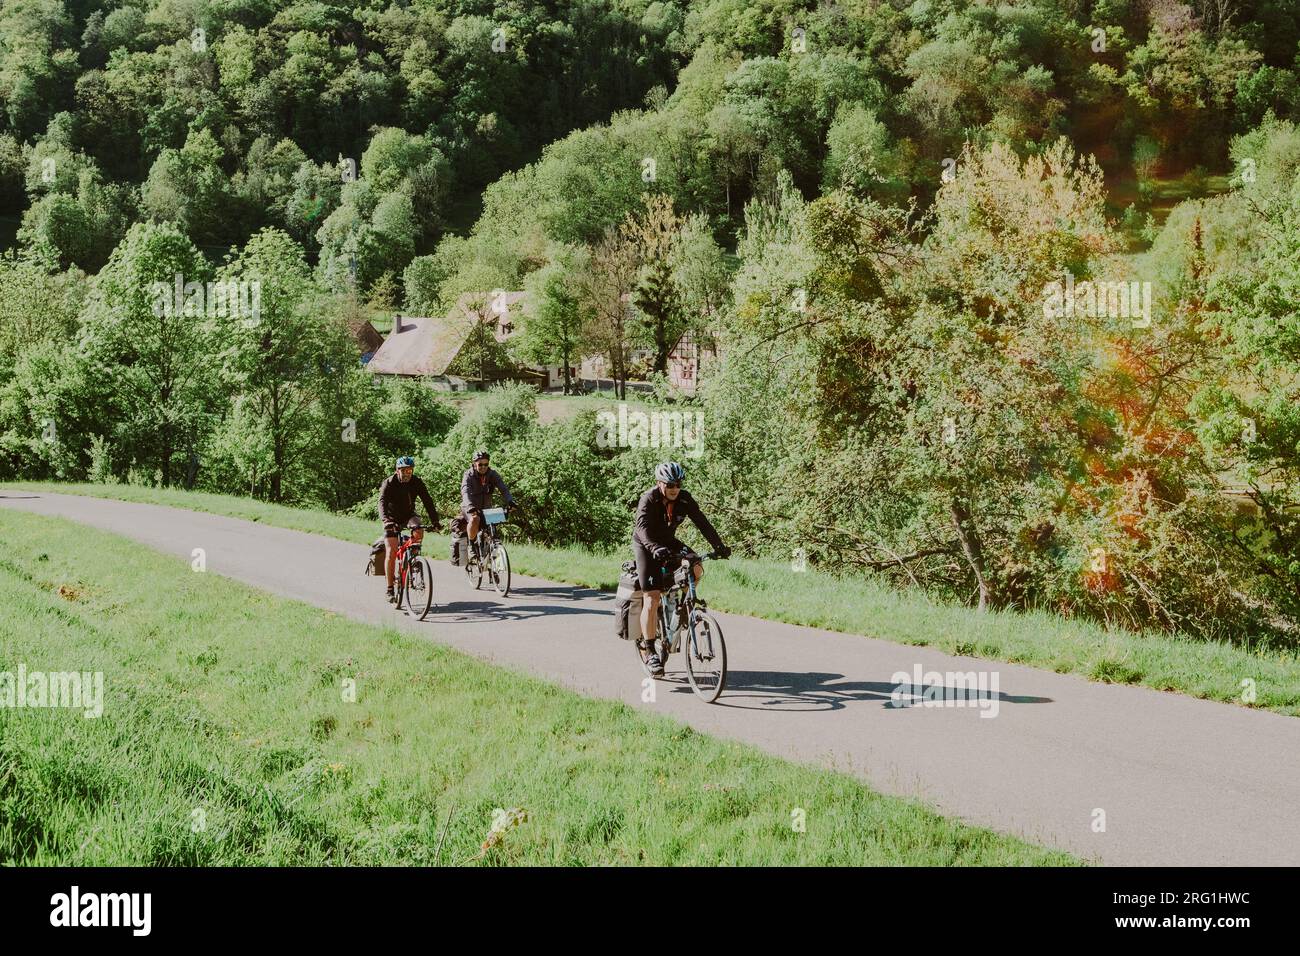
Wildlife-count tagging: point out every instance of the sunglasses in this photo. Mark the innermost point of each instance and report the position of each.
(672, 484)
(480, 464)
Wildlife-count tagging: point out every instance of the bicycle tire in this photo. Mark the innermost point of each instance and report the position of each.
(500, 570)
(705, 651)
(473, 569)
(399, 586)
(419, 599)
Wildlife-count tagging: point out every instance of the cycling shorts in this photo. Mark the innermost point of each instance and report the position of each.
(651, 574)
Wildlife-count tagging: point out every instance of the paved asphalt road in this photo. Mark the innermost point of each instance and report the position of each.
(1181, 781)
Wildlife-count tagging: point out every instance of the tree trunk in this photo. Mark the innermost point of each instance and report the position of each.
(277, 446)
(662, 346)
(970, 546)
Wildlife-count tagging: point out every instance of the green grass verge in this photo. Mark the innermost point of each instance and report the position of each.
(1206, 669)
(225, 739)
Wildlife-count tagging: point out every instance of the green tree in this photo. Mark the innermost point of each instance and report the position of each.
(553, 317)
(274, 359)
(154, 365)
(188, 187)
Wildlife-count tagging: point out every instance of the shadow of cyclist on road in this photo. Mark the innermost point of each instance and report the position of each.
(775, 690)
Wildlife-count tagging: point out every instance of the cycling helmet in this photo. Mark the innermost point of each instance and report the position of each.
(670, 471)
(406, 461)
(480, 454)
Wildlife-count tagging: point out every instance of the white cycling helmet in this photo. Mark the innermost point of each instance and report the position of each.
(670, 472)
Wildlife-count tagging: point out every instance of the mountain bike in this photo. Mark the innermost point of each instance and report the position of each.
(683, 613)
(488, 554)
(413, 575)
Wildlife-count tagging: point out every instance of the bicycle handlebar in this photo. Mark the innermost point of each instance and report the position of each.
(711, 556)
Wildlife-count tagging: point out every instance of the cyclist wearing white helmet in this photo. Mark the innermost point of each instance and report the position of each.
(659, 513)
(397, 497)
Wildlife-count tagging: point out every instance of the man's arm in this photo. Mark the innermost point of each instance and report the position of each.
(385, 509)
(641, 530)
(465, 503)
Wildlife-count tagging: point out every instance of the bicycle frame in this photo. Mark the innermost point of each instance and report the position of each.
(487, 536)
(678, 598)
(407, 548)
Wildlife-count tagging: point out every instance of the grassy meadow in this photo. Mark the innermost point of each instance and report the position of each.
(227, 739)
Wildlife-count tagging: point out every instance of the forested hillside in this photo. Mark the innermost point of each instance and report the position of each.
(868, 204)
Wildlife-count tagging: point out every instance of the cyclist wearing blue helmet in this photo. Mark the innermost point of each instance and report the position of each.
(397, 499)
(659, 513)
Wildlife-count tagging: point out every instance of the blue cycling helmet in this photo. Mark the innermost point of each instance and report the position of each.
(670, 472)
(406, 461)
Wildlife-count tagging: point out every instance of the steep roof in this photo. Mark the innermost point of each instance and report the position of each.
(367, 337)
(418, 345)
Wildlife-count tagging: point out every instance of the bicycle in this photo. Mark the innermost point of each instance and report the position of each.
(488, 554)
(413, 577)
(681, 609)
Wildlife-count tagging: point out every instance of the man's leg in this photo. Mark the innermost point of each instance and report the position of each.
(390, 560)
(473, 521)
(649, 613)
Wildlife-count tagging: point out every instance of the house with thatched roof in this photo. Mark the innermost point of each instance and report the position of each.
(466, 348)
(418, 347)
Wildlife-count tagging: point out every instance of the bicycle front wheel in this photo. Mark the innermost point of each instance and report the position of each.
(501, 569)
(419, 587)
(706, 656)
(399, 584)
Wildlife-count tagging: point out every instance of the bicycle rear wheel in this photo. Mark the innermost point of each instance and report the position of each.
(473, 567)
(419, 587)
(500, 569)
(706, 656)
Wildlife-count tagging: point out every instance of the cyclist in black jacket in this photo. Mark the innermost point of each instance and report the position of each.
(397, 497)
(659, 513)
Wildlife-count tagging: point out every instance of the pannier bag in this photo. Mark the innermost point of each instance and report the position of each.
(375, 563)
(627, 604)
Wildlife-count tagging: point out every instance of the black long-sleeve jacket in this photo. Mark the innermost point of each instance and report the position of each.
(656, 524)
(397, 500)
